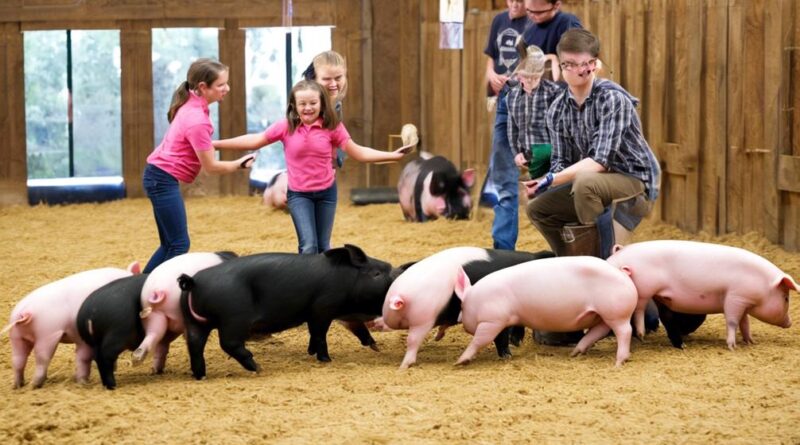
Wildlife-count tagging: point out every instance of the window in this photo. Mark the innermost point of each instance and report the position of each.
(72, 104)
(174, 49)
(266, 63)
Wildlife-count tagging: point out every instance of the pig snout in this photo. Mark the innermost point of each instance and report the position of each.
(787, 322)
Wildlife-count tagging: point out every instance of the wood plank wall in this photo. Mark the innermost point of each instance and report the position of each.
(719, 84)
(381, 97)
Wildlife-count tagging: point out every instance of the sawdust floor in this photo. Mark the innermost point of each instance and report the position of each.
(704, 393)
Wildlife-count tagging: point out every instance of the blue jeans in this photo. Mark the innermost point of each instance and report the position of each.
(170, 213)
(504, 175)
(312, 215)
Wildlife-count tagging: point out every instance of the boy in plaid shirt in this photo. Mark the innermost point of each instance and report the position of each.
(528, 99)
(599, 152)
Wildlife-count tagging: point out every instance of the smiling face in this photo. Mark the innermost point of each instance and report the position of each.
(541, 11)
(578, 68)
(308, 104)
(333, 79)
(218, 89)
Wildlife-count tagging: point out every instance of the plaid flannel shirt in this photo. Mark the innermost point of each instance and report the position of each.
(607, 129)
(526, 115)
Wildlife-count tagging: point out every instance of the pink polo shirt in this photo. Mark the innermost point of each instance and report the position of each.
(189, 132)
(308, 153)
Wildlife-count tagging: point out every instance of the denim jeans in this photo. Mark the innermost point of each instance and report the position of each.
(170, 213)
(504, 175)
(312, 215)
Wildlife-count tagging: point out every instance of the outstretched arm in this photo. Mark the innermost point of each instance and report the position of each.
(252, 141)
(211, 165)
(367, 154)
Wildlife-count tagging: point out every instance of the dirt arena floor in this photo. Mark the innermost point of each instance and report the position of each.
(703, 394)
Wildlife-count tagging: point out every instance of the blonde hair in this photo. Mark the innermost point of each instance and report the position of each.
(533, 62)
(335, 60)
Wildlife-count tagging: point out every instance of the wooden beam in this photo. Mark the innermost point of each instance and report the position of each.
(233, 110)
(137, 102)
(13, 147)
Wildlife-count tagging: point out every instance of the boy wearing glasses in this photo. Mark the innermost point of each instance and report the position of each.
(548, 23)
(503, 176)
(500, 188)
(599, 152)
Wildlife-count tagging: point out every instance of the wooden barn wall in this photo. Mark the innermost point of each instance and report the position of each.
(381, 98)
(717, 79)
(718, 83)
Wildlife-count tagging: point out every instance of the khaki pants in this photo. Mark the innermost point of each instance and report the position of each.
(579, 202)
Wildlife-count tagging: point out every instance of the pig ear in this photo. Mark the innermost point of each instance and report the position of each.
(157, 297)
(462, 283)
(627, 269)
(468, 177)
(135, 268)
(787, 283)
(349, 253)
(616, 248)
(396, 302)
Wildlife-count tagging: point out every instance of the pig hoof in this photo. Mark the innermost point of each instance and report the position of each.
(374, 347)
(37, 385)
(82, 380)
(575, 352)
(138, 356)
(324, 359)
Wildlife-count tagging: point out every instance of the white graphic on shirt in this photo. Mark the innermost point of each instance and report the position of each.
(507, 52)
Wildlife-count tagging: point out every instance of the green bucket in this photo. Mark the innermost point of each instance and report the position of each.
(540, 160)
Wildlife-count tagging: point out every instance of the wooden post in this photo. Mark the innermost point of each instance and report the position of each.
(13, 146)
(733, 184)
(233, 110)
(137, 102)
(656, 70)
(712, 191)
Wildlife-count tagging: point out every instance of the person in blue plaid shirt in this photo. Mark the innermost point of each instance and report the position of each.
(599, 152)
(528, 99)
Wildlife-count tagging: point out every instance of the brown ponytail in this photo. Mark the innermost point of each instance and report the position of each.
(201, 71)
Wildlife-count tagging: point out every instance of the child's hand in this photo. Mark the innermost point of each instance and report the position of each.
(520, 160)
(536, 186)
(406, 149)
(247, 161)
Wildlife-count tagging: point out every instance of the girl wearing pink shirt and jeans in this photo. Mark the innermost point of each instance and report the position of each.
(185, 149)
(310, 134)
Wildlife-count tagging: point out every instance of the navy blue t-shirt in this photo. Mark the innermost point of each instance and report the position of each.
(502, 37)
(546, 35)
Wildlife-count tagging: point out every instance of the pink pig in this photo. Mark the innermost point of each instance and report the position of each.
(46, 317)
(552, 294)
(161, 312)
(422, 296)
(702, 278)
(421, 293)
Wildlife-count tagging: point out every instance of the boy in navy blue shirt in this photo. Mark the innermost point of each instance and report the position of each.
(506, 28)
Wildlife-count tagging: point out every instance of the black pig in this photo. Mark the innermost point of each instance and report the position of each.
(678, 324)
(108, 320)
(433, 187)
(272, 292)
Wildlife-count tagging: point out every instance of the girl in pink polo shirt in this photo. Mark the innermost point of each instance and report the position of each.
(185, 149)
(310, 134)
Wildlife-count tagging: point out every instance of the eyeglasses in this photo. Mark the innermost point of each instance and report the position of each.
(542, 12)
(572, 66)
